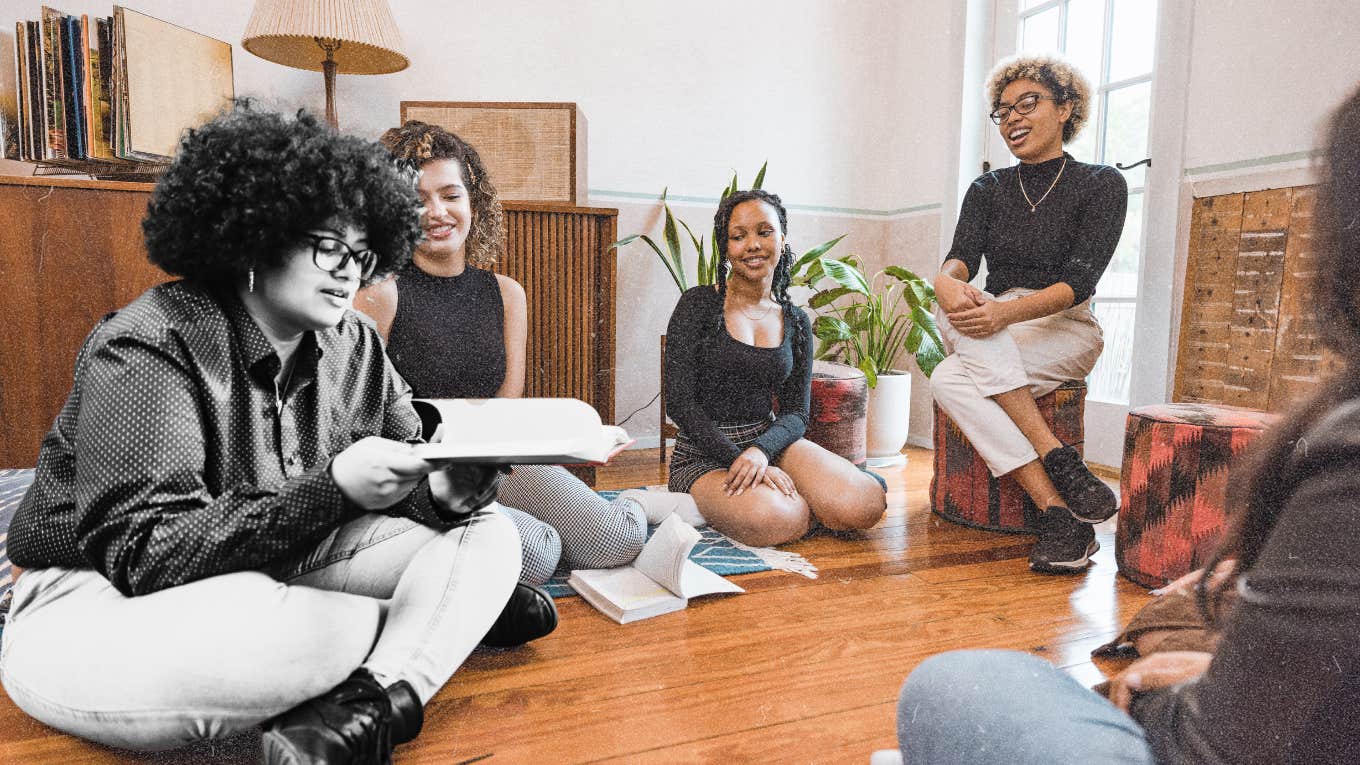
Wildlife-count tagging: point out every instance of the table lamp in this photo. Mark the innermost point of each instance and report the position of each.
(329, 36)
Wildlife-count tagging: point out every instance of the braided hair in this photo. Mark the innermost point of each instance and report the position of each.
(779, 289)
(416, 143)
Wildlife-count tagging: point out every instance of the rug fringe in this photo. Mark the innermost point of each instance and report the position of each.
(780, 560)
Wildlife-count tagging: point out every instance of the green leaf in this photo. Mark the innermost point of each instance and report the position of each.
(870, 370)
(831, 329)
(931, 350)
(902, 274)
(760, 176)
(677, 276)
(627, 240)
(845, 275)
(826, 297)
(672, 236)
(815, 253)
(732, 188)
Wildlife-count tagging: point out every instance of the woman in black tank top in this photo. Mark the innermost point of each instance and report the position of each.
(458, 330)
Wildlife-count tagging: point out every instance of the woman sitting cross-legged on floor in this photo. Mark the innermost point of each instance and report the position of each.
(1046, 227)
(228, 526)
(1282, 684)
(732, 349)
(455, 329)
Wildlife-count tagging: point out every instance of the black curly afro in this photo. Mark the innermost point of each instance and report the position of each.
(246, 186)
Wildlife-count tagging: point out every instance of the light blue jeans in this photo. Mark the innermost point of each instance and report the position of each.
(1009, 708)
(213, 657)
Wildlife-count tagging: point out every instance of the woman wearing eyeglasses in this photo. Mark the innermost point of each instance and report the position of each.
(228, 527)
(455, 329)
(1046, 228)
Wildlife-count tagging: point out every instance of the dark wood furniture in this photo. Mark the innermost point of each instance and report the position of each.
(71, 251)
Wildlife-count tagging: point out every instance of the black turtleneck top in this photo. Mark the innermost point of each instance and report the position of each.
(1069, 237)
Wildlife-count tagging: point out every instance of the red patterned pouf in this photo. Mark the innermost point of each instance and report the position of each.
(1173, 485)
(839, 409)
(964, 491)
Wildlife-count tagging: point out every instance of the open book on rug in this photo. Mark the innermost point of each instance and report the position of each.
(660, 581)
(517, 431)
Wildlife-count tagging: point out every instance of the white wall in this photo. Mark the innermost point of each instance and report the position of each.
(1263, 76)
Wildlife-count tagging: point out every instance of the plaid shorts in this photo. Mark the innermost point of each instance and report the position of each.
(688, 462)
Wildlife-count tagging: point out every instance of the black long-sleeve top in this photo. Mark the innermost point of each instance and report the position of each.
(1284, 684)
(712, 378)
(1069, 237)
(171, 460)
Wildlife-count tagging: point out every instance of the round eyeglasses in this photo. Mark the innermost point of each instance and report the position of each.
(331, 254)
(1025, 105)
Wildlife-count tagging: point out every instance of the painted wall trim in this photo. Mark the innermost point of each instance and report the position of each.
(1273, 159)
(861, 211)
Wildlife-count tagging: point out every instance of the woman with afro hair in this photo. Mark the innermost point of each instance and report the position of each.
(732, 349)
(1046, 228)
(456, 329)
(228, 526)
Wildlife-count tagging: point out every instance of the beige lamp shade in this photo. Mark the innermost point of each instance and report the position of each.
(292, 32)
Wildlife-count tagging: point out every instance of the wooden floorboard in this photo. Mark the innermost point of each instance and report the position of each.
(796, 670)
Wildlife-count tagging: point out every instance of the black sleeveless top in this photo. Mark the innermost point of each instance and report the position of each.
(448, 337)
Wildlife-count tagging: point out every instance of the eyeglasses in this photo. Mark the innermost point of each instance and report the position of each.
(1024, 106)
(331, 254)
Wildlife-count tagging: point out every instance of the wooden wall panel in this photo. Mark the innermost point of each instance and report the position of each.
(71, 251)
(1247, 335)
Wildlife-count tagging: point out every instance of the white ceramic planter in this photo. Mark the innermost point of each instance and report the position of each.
(889, 419)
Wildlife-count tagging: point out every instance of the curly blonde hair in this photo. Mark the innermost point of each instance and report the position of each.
(1062, 79)
(417, 143)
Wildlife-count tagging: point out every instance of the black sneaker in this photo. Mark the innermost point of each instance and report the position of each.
(1087, 497)
(1065, 546)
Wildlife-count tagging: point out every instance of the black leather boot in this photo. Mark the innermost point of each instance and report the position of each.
(408, 714)
(347, 725)
(528, 615)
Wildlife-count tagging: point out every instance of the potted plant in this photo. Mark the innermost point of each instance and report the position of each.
(867, 323)
(707, 256)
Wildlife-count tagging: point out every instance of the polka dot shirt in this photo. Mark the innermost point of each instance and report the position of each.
(172, 459)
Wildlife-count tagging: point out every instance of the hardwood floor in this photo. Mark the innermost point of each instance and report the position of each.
(795, 671)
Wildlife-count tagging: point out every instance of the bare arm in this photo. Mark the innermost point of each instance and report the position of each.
(516, 335)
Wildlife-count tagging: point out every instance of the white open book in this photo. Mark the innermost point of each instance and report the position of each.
(661, 580)
(517, 431)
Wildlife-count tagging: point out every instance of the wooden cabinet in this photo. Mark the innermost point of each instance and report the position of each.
(71, 251)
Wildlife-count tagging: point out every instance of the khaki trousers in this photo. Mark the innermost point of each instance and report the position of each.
(1040, 355)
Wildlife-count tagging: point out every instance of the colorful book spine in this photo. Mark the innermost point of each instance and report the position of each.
(54, 112)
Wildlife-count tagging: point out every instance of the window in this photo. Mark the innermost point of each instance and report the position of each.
(1112, 43)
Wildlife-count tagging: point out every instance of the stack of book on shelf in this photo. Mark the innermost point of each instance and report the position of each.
(114, 92)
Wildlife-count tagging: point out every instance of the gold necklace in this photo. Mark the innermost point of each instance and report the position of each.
(745, 313)
(1035, 205)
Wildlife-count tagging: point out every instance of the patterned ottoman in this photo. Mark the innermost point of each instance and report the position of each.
(839, 410)
(1174, 483)
(964, 491)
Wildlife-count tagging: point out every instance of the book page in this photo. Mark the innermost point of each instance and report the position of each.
(517, 431)
(664, 556)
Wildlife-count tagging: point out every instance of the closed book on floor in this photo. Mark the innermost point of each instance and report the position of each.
(517, 431)
(660, 581)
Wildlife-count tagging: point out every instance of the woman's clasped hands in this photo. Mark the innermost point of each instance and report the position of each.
(752, 467)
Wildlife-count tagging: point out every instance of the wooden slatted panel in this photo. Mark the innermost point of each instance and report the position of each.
(559, 256)
(1247, 334)
(1203, 359)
